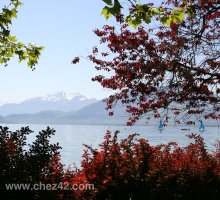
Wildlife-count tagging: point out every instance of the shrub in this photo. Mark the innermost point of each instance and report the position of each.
(133, 169)
(28, 164)
(129, 169)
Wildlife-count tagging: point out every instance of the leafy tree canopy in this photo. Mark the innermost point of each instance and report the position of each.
(9, 45)
(163, 70)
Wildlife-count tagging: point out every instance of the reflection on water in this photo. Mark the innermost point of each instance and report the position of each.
(72, 137)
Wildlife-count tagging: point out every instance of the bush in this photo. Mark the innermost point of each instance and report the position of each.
(130, 169)
(28, 164)
(133, 169)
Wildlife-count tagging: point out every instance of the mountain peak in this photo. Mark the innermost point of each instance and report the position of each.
(59, 101)
(62, 96)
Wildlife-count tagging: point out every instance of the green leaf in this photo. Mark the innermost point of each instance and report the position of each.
(12, 38)
(16, 3)
(147, 19)
(14, 13)
(156, 11)
(10, 52)
(181, 16)
(133, 22)
(20, 45)
(117, 7)
(106, 12)
(177, 15)
(190, 10)
(6, 32)
(167, 21)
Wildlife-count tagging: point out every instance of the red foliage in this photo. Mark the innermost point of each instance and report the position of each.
(125, 169)
(174, 66)
(75, 60)
(133, 169)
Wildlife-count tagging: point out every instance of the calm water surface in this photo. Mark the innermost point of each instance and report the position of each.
(72, 137)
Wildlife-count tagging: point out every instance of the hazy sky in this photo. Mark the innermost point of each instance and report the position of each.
(64, 28)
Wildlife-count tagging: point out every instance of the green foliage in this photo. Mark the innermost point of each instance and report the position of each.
(113, 10)
(9, 45)
(177, 15)
(143, 13)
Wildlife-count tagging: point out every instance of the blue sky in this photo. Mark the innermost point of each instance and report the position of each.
(64, 28)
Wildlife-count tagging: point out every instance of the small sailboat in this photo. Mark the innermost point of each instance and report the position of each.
(201, 126)
(161, 126)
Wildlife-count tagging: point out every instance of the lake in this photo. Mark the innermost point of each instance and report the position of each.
(72, 137)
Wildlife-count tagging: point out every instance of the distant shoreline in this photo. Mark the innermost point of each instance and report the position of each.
(106, 124)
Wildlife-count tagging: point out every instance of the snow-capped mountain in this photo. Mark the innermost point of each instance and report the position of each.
(62, 96)
(60, 101)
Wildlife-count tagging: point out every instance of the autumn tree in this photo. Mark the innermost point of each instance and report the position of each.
(9, 45)
(168, 66)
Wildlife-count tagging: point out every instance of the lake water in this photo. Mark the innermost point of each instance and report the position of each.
(72, 137)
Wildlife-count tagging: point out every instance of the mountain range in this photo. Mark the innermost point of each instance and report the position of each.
(67, 108)
(60, 101)
(60, 108)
